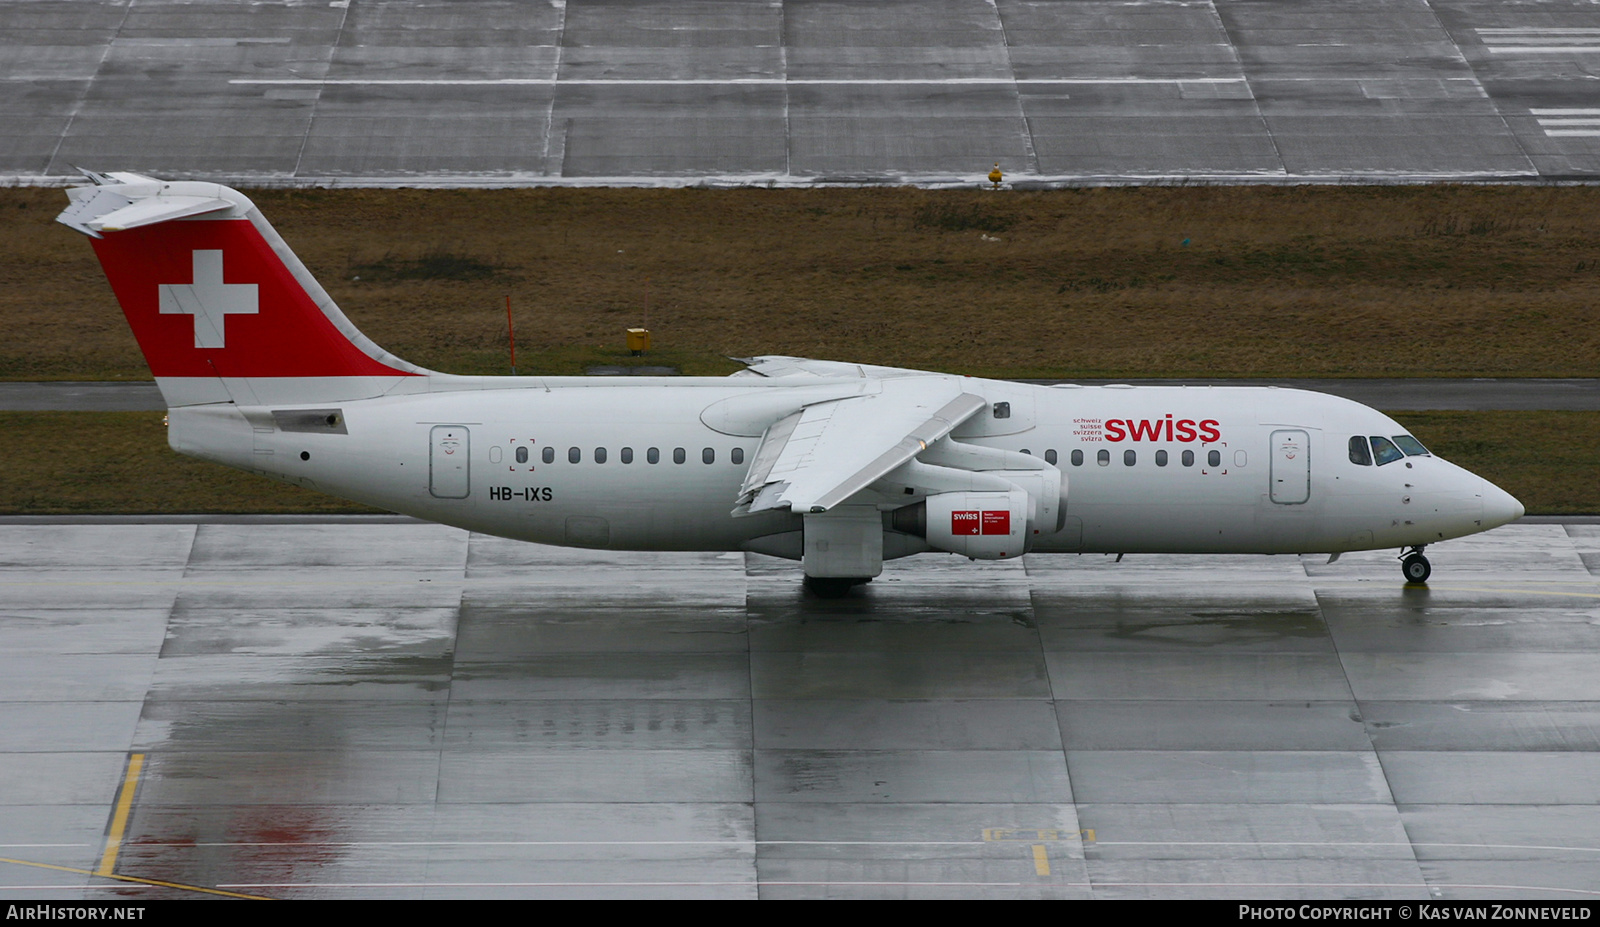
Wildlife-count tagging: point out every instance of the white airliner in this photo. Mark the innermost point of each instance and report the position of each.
(839, 466)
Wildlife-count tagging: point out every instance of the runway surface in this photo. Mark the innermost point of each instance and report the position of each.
(331, 708)
(1572, 395)
(800, 91)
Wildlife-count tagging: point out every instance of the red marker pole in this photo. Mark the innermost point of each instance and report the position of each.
(513, 334)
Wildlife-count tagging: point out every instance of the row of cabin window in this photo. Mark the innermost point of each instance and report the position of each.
(652, 455)
(1383, 450)
(1131, 457)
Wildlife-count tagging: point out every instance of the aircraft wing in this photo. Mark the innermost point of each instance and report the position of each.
(827, 452)
(777, 365)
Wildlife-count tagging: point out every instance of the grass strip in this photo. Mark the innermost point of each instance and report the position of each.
(1240, 281)
(118, 463)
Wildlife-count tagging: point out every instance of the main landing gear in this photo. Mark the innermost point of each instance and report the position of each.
(833, 587)
(1415, 566)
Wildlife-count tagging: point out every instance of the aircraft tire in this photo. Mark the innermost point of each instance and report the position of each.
(832, 587)
(1416, 568)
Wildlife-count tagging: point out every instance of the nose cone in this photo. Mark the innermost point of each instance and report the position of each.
(1499, 506)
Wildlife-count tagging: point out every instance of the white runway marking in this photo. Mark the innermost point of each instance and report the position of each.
(1533, 41)
(1552, 121)
(1364, 845)
(1540, 40)
(719, 81)
(1538, 30)
(755, 884)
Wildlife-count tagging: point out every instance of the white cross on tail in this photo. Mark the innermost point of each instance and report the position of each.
(208, 299)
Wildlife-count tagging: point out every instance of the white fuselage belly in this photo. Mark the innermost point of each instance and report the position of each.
(385, 458)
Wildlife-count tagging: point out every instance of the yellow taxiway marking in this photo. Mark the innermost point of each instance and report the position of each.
(119, 819)
(119, 828)
(1041, 862)
(134, 879)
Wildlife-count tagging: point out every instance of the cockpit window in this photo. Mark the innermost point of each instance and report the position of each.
(1411, 446)
(1385, 451)
(1359, 454)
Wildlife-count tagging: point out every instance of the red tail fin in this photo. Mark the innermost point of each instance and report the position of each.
(217, 301)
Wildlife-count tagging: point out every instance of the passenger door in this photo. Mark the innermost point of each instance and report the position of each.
(448, 452)
(1291, 467)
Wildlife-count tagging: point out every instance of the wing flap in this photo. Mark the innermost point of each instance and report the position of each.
(772, 444)
(829, 451)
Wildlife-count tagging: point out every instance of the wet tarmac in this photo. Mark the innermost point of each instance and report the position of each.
(346, 707)
(490, 92)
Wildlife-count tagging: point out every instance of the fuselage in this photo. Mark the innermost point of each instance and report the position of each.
(657, 463)
(840, 466)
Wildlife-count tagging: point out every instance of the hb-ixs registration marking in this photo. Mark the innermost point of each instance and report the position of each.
(526, 494)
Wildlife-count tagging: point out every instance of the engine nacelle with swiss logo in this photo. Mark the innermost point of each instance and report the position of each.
(980, 525)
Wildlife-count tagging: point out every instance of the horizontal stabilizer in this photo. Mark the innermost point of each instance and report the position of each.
(156, 209)
(121, 201)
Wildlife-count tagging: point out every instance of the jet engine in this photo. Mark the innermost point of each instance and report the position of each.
(980, 525)
(983, 502)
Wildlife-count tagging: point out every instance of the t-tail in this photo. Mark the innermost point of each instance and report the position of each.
(222, 309)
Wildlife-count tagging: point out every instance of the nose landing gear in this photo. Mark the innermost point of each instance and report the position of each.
(1415, 566)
